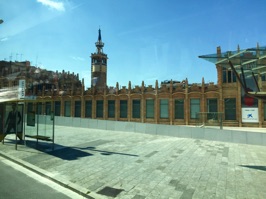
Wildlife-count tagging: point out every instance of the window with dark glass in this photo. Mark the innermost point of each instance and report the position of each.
(39, 108)
(48, 108)
(136, 108)
(57, 108)
(77, 109)
(212, 108)
(230, 109)
(264, 111)
(234, 77)
(150, 108)
(88, 108)
(194, 108)
(164, 113)
(212, 105)
(228, 76)
(123, 108)
(67, 109)
(224, 75)
(179, 109)
(99, 108)
(30, 107)
(263, 77)
(111, 108)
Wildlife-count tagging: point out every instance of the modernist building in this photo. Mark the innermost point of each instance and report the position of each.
(171, 102)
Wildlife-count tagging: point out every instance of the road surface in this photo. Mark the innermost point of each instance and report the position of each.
(17, 182)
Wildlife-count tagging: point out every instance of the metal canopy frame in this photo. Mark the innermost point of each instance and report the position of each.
(245, 64)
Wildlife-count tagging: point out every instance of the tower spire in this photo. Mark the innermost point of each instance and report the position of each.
(99, 65)
(99, 44)
(99, 36)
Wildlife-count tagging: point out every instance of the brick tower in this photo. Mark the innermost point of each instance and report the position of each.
(99, 65)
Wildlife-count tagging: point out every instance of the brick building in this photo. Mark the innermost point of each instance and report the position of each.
(168, 102)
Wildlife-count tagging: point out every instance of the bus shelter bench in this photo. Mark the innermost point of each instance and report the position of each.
(39, 137)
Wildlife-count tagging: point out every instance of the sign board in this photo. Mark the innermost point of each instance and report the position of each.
(250, 115)
(21, 89)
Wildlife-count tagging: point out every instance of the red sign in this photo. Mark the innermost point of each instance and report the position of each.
(249, 101)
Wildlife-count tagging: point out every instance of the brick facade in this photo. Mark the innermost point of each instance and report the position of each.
(75, 101)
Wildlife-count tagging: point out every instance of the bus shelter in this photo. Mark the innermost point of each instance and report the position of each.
(26, 120)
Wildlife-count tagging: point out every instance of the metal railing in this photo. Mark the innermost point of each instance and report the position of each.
(205, 119)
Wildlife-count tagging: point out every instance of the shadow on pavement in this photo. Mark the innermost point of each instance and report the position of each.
(70, 153)
(66, 152)
(60, 151)
(262, 168)
(106, 152)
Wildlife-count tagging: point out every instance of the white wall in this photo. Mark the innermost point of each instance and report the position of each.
(234, 136)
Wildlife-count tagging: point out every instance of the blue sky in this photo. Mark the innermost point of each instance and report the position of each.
(144, 39)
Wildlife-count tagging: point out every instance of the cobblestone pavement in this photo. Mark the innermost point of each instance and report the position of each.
(111, 164)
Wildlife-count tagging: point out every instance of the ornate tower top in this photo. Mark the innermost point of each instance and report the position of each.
(99, 44)
(99, 65)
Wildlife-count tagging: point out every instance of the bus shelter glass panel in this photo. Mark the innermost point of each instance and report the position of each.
(40, 126)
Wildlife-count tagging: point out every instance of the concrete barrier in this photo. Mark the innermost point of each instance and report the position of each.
(140, 127)
(63, 121)
(254, 138)
(239, 137)
(213, 134)
(76, 122)
(84, 123)
(264, 139)
(224, 136)
(210, 134)
(101, 124)
(110, 125)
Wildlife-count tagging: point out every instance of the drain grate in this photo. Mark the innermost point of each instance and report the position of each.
(109, 191)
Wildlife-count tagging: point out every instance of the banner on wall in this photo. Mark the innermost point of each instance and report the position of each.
(250, 115)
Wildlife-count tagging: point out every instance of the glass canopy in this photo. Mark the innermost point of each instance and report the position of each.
(246, 64)
(249, 60)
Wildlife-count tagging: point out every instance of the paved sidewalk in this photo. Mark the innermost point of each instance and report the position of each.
(109, 164)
